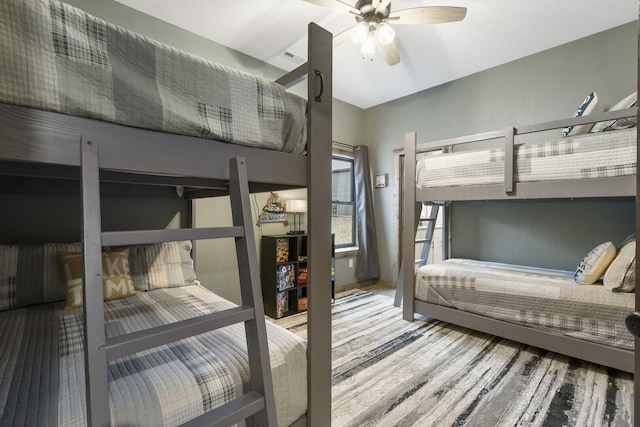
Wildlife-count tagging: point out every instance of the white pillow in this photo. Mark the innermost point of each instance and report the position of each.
(590, 105)
(621, 274)
(162, 265)
(628, 122)
(595, 264)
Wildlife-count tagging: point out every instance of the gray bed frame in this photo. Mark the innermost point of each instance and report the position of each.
(509, 190)
(46, 144)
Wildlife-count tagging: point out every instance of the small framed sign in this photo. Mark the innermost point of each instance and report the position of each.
(273, 211)
(381, 180)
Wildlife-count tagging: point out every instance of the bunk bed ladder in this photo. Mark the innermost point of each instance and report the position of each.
(431, 220)
(258, 403)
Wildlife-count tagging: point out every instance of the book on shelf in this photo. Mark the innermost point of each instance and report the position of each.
(282, 304)
(285, 276)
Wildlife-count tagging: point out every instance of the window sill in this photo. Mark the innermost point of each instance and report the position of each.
(347, 252)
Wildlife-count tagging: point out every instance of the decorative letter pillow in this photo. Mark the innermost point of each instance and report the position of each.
(29, 274)
(589, 106)
(595, 263)
(621, 274)
(116, 278)
(623, 123)
(162, 265)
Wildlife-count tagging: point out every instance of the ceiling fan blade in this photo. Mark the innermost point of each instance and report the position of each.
(428, 15)
(389, 52)
(336, 4)
(341, 37)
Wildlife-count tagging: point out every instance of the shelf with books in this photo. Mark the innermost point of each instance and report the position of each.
(283, 273)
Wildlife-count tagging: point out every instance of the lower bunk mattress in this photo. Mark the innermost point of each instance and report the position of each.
(42, 364)
(593, 155)
(544, 299)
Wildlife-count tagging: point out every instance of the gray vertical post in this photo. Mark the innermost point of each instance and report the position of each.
(508, 159)
(95, 357)
(319, 91)
(255, 329)
(408, 232)
(446, 231)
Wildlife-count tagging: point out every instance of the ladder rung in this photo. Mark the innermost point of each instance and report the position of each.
(118, 238)
(418, 261)
(230, 413)
(423, 241)
(124, 345)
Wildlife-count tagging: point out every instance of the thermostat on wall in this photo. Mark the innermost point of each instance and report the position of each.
(381, 180)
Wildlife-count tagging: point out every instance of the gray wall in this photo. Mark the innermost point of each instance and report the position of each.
(545, 86)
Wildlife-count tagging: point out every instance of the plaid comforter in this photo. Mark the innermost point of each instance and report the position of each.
(42, 367)
(535, 297)
(58, 58)
(594, 155)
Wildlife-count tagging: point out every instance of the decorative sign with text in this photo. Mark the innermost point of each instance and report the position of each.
(273, 211)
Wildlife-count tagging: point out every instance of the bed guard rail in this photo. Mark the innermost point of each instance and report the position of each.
(509, 134)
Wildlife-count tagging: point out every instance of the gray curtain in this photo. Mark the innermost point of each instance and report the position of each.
(368, 265)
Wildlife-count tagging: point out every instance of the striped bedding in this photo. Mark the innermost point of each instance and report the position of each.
(539, 298)
(42, 368)
(58, 58)
(594, 155)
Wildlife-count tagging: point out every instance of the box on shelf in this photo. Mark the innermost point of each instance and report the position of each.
(285, 276)
(302, 303)
(282, 304)
(302, 275)
(282, 250)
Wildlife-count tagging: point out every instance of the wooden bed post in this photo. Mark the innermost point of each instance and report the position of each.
(95, 355)
(319, 90)
(408, 234)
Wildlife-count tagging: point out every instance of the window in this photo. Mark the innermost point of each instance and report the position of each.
(343, 206)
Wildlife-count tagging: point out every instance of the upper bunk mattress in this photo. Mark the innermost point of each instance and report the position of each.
(540, 298)
(56, 57)
(593, 155)
(42, 364)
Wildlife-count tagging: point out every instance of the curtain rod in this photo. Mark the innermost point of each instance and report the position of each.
(342, 144)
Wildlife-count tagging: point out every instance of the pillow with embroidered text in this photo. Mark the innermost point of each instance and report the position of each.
(116, 277)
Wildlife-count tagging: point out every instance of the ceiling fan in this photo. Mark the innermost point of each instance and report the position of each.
(373, 31)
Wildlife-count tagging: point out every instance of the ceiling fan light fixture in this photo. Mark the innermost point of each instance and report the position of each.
(360, 32)
(385, 33)
(368, 49)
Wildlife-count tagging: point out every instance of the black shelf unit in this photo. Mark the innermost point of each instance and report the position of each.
(282, 273)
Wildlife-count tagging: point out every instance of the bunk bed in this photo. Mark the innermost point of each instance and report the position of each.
(87, 101)
(540, 307)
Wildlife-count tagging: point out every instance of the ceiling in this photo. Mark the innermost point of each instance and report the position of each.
(494, 32)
